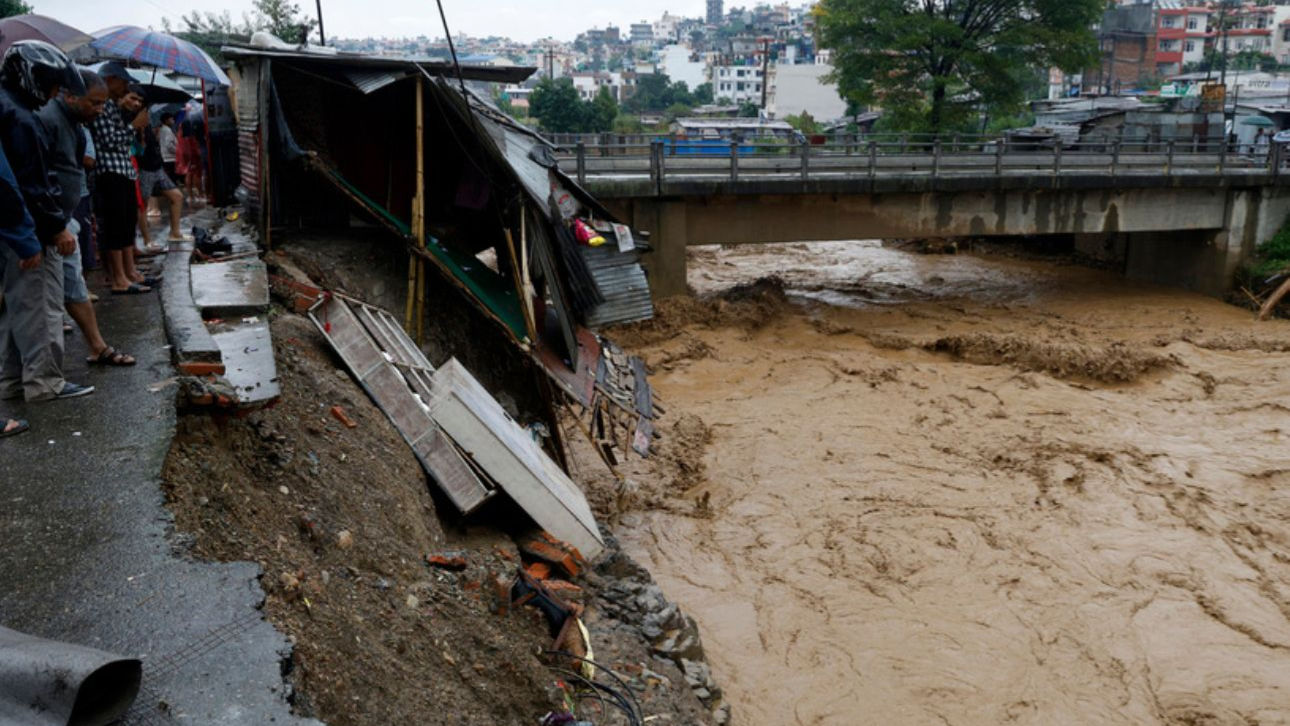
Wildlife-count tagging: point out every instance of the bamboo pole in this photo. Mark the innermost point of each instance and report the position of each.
(414, 316)
(529, 323)
(419, 214)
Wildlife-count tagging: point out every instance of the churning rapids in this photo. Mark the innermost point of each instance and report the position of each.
(976, 490)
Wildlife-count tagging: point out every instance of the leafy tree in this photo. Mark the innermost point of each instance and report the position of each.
(932, 63)
(628, 125)
(655, 92)
(10, 8)
(703, 94)
(556, 105)
(748, 109)
(559, 109)
(604, 109)
(284, 19)
(210, 31)
(803, 122)
(676, 111)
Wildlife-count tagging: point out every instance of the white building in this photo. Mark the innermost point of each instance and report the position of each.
(739, 84)
(674, 60)
(794, 89)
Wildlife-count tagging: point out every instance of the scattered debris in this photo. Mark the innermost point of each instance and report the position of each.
(452, 560)
(338, 413)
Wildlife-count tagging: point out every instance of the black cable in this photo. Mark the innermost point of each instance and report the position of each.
(605, 669)
(599, 690)
(453, 50)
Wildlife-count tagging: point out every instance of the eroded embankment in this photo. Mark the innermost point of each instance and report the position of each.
(1016, 492)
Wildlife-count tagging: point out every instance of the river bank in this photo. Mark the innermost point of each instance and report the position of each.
(972, 489)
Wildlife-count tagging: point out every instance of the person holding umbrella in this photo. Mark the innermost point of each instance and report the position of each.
(31, 73)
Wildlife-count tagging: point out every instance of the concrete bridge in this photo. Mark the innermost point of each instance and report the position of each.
(1178, 214)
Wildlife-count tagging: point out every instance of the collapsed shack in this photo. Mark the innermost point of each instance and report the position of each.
(510, 264)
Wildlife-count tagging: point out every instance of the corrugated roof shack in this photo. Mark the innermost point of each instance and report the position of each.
(325, 137)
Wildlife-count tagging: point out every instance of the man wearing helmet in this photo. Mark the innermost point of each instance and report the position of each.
(30, 74)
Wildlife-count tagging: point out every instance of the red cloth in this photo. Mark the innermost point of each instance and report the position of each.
(138, 192)
(186, 154)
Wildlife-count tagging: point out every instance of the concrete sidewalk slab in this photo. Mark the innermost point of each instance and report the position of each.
(236, 287)
(249, 366)
(89, 555)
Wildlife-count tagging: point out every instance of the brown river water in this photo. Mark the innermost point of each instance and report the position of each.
(975, 490)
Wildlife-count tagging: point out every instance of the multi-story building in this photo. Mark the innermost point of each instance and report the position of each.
(1182, 35)
(1127, 49)
(1250, 29)
(715, 12)
(739, 84)
(642, 34)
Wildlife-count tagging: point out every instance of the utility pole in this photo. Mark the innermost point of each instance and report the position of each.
(322, 39)
(765, 71)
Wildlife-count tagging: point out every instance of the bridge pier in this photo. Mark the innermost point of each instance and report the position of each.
(1187, 236)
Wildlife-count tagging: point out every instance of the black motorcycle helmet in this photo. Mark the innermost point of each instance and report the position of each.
(32, 68)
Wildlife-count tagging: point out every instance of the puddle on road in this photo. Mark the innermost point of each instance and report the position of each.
(1078, 513)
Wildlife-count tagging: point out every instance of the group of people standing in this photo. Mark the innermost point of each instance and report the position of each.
(79, 158)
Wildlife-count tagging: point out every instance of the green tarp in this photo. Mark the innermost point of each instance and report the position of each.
(489, 289)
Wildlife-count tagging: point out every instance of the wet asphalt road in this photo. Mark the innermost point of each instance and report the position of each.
(88, 552)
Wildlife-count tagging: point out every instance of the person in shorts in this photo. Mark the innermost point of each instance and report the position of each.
(115, 206)
(154, 181)
(63, 118)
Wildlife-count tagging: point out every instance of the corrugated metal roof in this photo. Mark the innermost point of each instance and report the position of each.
(622, 281)
(370, 81)
(493, 74)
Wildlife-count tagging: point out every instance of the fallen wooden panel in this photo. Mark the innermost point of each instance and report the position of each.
(247, 352)
(394, 372)
(236, 287)
(499, 446)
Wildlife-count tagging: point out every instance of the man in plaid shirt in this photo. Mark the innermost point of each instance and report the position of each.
(115, 202)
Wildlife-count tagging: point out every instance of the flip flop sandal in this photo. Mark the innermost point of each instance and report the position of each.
(134, 289)
(21, 428)
(111, 357)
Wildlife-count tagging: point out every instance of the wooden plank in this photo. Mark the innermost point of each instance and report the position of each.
(477, 423)
(393, 391)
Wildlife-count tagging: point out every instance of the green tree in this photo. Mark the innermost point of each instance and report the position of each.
(803, 122)
(10, 8)
(703, 94)
(655, 92)
(284, 19)
(604, 109)
(748, 109)
(932, 65)
(557, 107)
(211, 31)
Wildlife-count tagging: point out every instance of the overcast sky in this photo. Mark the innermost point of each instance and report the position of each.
(519, 19)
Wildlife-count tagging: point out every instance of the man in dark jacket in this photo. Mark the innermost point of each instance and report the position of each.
(63, 118)
(19, 248)
(30, 74)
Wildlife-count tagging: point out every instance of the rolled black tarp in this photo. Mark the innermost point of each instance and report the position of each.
(48, 683)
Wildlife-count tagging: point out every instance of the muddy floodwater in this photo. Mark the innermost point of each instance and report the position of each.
(974, 489)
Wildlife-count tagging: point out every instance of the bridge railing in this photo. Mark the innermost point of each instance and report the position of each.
(851, 156)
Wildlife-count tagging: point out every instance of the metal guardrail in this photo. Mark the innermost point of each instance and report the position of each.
(659, 158)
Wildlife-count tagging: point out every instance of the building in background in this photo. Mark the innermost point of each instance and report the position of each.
(797, 88)
(716, 12)
(1183, 34)
(1127, 49)
(642, 34)
(737, 83)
